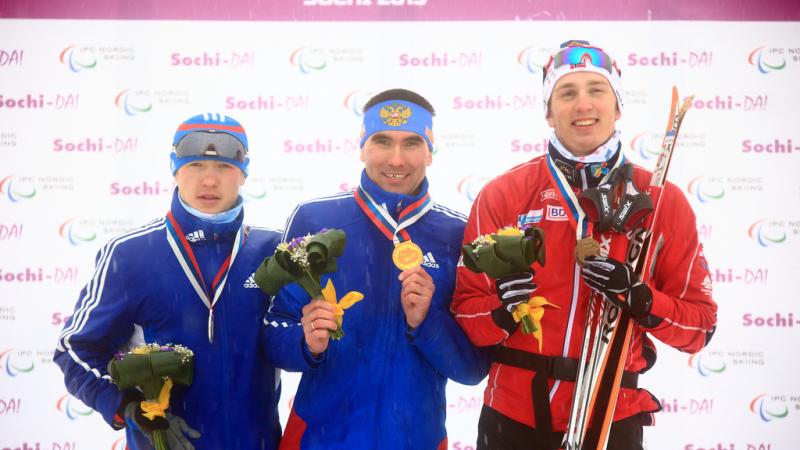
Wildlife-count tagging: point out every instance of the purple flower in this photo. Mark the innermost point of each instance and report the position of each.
(295, 243)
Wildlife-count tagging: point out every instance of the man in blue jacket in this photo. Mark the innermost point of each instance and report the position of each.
(186, 278)
(382, 385)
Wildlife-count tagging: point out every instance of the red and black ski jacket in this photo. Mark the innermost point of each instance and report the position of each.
(680, 284)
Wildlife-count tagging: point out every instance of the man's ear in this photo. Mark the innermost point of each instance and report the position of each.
(551, 121)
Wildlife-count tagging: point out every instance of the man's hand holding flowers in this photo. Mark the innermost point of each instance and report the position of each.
(318, 322)
(153, 369)
(507, 256)
(512, 290)
(176, 429)
(304, 260)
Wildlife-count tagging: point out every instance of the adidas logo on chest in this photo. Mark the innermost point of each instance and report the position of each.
(429, 261)
(250, 282)
(196, 236)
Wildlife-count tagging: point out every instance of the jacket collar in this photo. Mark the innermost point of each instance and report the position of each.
(583, 175)
(198, 230)
(392, 201)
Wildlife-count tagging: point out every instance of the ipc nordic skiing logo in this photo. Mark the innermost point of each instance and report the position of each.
(646, 145)
(254, 189)
(16, 189)
(769, 409)
(767, 60)
(14, 364)
(72, 407)
(77, 59)
(706, 190)
(76, 233)
(471, 185)
(765, 233)
(706, 365)
(308, 60)
(133, 102)
(355, 100)
(533, 59)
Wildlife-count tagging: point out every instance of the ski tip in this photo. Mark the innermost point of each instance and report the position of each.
(687, 102)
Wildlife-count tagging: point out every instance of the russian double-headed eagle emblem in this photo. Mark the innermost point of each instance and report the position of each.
(395, 114)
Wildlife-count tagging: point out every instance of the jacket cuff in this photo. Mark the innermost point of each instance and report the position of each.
(503, 319)
(128, 396)
(657, 310)
(312, 361)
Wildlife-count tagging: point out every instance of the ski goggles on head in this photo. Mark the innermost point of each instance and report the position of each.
(210, 144)
(580, 55)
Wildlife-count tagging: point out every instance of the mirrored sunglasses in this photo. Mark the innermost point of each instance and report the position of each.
(204, 143)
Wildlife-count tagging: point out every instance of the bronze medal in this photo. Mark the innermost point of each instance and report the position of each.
(586, 247)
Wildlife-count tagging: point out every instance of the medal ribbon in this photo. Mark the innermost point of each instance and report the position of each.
(580, 222)
(379, 216)
(191, 268)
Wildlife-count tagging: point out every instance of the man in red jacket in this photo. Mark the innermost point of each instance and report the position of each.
(582, 95)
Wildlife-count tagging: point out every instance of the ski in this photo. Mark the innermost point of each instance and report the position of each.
(608, 332)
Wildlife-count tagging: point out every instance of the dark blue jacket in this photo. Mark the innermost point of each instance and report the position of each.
(139, 288)
(380, 386)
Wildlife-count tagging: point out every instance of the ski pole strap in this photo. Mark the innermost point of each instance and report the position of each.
(611, 209)
(547, 367)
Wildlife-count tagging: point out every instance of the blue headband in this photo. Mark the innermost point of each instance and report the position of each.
(398, 115)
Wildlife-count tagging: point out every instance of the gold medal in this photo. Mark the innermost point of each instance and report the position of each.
(407, 255)
(586, 247)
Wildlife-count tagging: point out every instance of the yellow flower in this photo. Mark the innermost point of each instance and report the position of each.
(533, 311)
(510, 231)
(156, 408)
(349, 299)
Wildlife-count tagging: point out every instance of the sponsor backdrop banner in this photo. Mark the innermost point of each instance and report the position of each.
(88, 109)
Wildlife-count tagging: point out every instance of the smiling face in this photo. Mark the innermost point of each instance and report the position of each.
(583, 111)
(396, 160)
(209, 186)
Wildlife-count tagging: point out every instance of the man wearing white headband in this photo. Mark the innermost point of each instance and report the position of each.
(382, 385)
(582, 189)
(184, 279)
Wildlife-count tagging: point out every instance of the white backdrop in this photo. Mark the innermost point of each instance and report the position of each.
(88, 109)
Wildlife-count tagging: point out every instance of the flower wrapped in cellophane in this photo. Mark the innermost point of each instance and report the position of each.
(304, 260)
(153, 369)
(511, 250)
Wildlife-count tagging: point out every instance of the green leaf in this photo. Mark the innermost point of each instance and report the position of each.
(147, 371)
(271, 276)
(322, 250)
(508, 254)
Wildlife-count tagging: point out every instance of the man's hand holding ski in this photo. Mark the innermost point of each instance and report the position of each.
(619, 284)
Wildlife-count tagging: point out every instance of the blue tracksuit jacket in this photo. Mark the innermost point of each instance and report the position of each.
(380, 386)
(139, 287)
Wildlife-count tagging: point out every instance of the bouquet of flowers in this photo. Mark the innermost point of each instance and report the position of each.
(511, 250)
(153, 369)
(304, 260)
